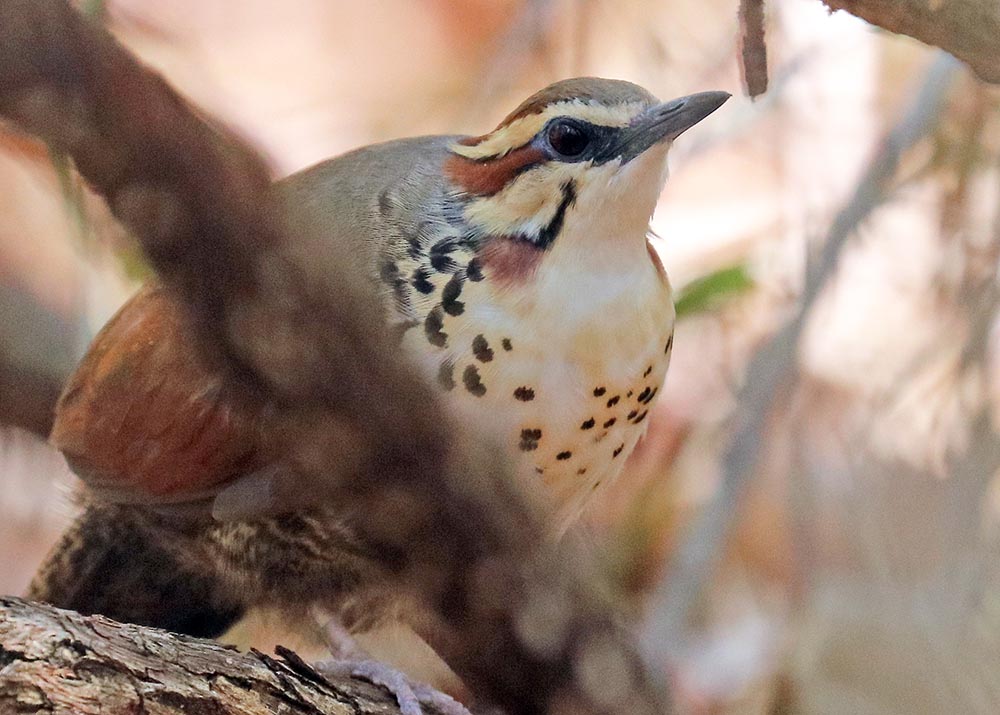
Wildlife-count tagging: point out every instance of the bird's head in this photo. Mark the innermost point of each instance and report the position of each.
(585, 155)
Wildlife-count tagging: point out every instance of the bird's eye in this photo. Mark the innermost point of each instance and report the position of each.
(568, 138)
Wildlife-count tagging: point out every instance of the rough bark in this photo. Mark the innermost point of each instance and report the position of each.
(59, 662)
(968, 29)
(526, 627)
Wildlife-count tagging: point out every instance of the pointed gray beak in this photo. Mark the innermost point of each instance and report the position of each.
(663, 122)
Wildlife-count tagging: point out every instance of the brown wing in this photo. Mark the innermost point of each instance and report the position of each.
(144, 419)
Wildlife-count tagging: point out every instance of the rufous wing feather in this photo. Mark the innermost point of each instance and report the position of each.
(146, 419)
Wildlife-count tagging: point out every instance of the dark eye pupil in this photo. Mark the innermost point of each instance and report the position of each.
(568, 139)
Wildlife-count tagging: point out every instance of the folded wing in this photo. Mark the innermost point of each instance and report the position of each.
(145, 419)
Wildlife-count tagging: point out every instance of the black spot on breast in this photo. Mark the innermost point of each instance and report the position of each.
(442, 264)
(588, 424)
(432, 327)
(581, 470)
(529, 439)
(524, 394)
(481, 349)
(449, 296)
(614, 400)
(506, 344)
(610, 422)
(648, 370)
(598, 391)
(446, 375)
(641, 417)
(563, 456)
(670, 344)
(474, 270)
(628, 394)
(644, 395)
(618, 450)
(632, 414)
(472, 381)
(414, 248)
(441, 259)
(421, 281)
(649, 397)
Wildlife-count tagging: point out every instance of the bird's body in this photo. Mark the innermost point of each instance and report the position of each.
(560, 358)
(515, 270)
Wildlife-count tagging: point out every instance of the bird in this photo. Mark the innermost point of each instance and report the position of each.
(515, 270)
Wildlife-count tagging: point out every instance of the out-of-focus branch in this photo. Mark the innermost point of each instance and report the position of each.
(36, 355)
(753, 47)
(60, 662)
(967, 29)
(770, 374)
(27, 398)
(301, 329)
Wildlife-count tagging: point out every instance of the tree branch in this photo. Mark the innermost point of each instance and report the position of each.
(753, 47)
(27, 398)
(967, 29)
(59, 662)
(36, 355)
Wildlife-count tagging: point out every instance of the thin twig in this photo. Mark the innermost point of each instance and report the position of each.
(753, 48)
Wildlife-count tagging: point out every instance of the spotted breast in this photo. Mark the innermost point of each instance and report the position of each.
(567, 380)
(516, 268)
(560, 350)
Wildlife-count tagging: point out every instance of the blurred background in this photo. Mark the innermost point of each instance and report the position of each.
(857, 571)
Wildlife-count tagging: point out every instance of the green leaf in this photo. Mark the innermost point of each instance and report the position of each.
(711, 291)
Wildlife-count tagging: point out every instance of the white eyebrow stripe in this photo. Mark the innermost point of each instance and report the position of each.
(520, 131)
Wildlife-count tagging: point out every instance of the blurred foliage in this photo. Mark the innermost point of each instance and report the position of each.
(710, 292)
(71, 187)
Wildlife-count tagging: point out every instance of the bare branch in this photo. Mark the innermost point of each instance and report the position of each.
(36, 355)
(753, 48)
(27, 398)
(60, 662)
(967, 29)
